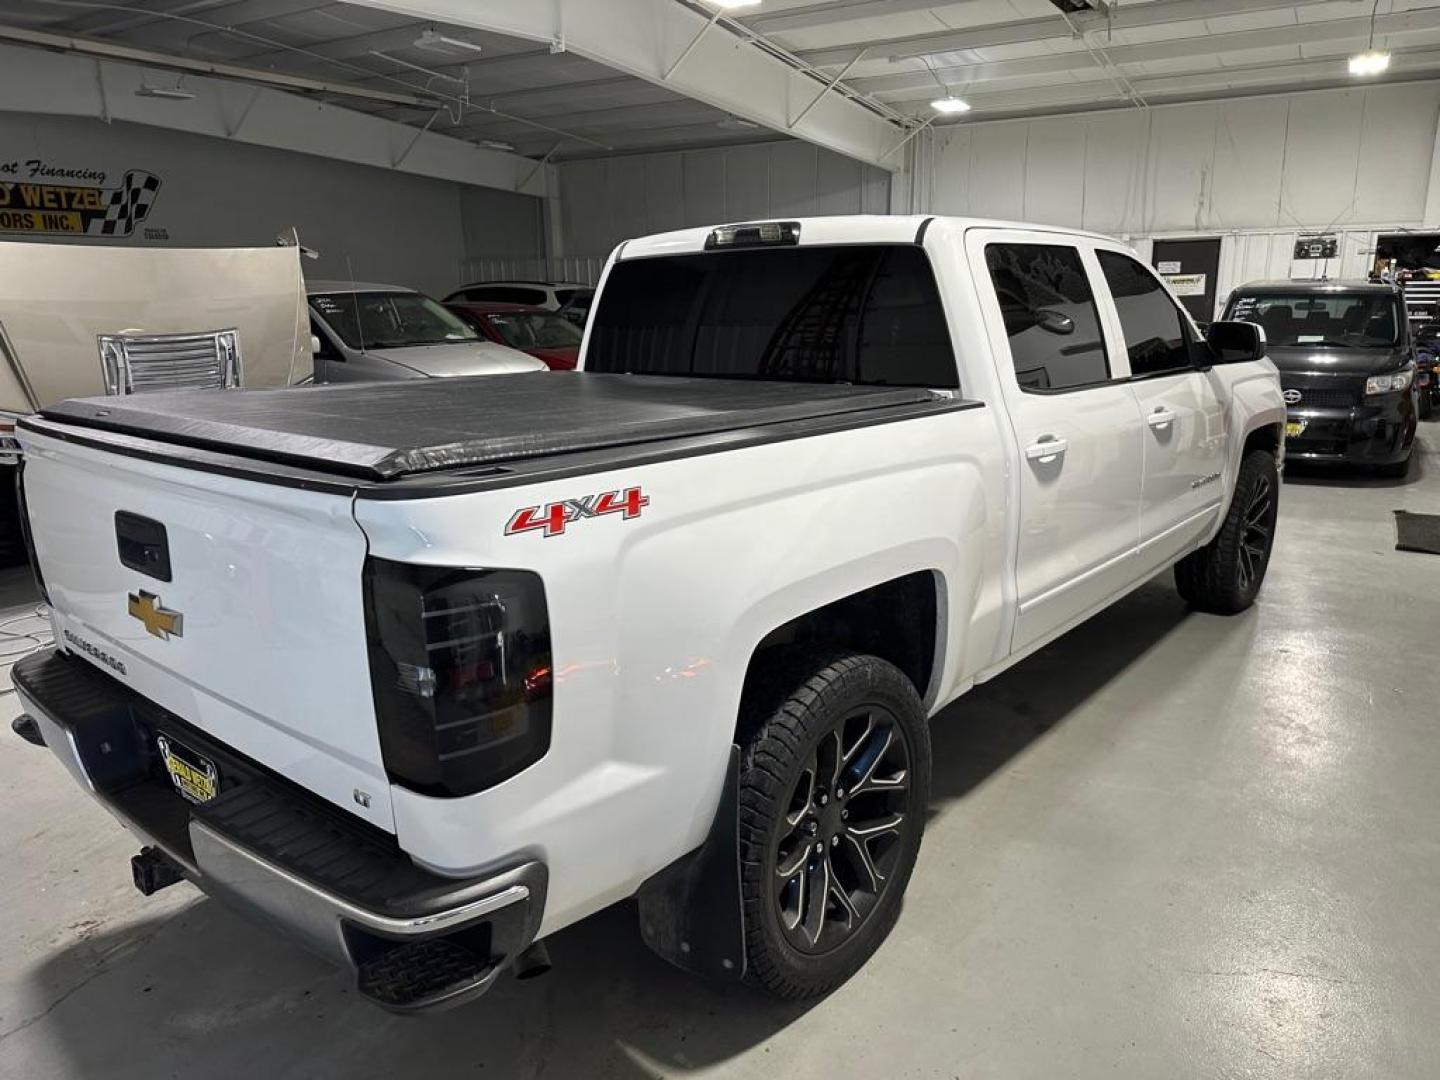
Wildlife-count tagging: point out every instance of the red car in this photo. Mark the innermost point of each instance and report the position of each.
(533, 330)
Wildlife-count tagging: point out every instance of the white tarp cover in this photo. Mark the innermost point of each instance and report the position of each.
(56, 299)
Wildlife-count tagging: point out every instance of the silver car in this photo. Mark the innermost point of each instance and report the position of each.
(363, 332)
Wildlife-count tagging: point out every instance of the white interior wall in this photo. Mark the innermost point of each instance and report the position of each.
(606, 200)
(1254, 171)
(381, 224)
(1336, 158)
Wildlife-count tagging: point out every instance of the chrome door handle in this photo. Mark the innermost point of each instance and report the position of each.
(1160, 418)
(1047, 448)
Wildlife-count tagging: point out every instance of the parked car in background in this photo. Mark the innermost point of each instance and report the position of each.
(540, 333)
(1427, 363)
(1347, 367)
(577, 308)
(362, 331)
(550, 295)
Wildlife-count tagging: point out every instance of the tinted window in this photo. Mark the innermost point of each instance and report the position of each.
(865, 314)
(505, 294)
(389, 320)
(1050, 315)
(535, 330)
(1326, 320)
(1154, 332)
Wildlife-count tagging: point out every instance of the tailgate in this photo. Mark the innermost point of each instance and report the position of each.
(269, 656)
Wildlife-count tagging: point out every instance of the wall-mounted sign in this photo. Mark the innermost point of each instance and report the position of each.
(76, 210)
(1317, 246)
(1168, 266)
(1186, 284)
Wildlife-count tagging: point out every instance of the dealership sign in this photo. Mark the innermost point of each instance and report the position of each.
(32, 202)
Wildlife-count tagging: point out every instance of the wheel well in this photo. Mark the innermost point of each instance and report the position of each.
(897, 621)
(1265, 438)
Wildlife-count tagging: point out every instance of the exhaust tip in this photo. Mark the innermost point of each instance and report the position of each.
(25, 726)
(533, 962)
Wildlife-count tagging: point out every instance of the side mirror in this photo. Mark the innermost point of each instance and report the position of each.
(1056, 322)
(314, 344)
(1235, 342)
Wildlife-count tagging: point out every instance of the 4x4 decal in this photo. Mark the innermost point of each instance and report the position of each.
(553, 518)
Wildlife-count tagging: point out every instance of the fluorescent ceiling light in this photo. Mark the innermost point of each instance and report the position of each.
(496, 144)
(950, 105)
(736, 123)
(432, 40)
(731, 5)
(171, 93)
(1370, 62)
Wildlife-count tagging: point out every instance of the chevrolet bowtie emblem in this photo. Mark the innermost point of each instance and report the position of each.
(162, 622)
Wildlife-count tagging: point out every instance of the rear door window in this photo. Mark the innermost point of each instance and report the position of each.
(1155, 335)
(1050, 316)
(866, 314)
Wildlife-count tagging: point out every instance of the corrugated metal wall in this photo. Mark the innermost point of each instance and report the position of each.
(607, 200)
(1305, 161)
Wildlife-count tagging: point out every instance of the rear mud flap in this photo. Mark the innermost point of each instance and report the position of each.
(690, 912)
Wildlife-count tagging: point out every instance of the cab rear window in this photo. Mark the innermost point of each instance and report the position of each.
(858, 314)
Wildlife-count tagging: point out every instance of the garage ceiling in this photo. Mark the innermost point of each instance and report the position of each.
(1005, 57)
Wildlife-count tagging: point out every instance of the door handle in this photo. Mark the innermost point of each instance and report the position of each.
(1046, 448)
(1160, 418)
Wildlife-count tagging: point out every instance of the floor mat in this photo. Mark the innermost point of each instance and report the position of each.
(1417, 532)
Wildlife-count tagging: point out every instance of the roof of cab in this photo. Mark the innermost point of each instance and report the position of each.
(840, 229)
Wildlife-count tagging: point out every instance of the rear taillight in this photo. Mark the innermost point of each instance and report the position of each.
(25, 532)
(460, 670)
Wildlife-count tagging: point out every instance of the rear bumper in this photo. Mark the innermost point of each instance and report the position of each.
(273, 851)
(1370, 434)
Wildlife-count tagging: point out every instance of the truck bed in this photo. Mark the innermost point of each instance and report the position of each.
(381, 432)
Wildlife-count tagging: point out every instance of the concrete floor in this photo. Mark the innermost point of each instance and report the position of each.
(1171, 845)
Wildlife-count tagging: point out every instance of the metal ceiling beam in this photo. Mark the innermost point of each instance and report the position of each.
(109, 21)
(897, 89)
(1128, 17)
(1269, 78)
(165, 61)
(645, 37)
(50, 82)
(838, 11)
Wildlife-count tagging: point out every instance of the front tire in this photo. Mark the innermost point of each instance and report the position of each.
(834, 783)
(1225, 575)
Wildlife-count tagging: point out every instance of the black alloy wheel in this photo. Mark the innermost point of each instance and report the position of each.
(834, 783)
(838, 842)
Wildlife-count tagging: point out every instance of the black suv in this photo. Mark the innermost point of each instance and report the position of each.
(1347, 366)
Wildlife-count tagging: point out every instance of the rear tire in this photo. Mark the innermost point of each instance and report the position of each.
(1225, 575)
(834, 784)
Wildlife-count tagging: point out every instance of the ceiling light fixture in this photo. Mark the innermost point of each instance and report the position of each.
(1372, 61)
(736, 123)
(169, 93)
(1369, 62)
(731, 5)
(431, 40)
(496, 144)
(950, 105)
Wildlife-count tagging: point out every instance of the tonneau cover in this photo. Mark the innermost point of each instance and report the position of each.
(387, 430)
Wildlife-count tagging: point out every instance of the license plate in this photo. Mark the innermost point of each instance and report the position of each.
(1294, 428)
(193, 775)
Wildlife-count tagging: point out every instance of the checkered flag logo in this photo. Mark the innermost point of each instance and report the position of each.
(129, 205)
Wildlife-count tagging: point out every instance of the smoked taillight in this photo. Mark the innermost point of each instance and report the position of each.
(460, 671)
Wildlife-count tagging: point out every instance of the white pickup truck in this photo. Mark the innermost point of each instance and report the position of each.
(425, 673)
